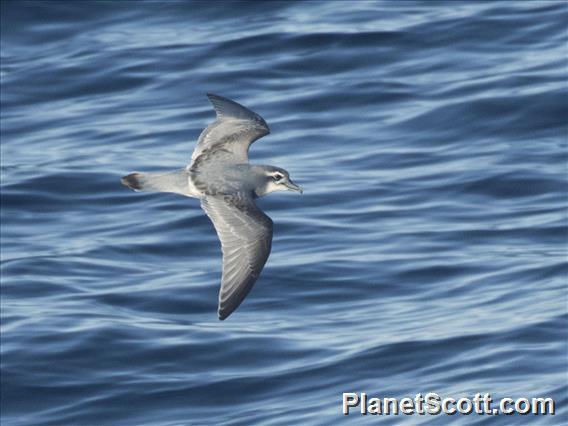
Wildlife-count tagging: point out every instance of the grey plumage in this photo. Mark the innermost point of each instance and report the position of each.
(222, 178)
(246, 239)
(176, 182)
(229, 137)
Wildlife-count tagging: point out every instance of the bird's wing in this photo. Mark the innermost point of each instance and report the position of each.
(246, 239)
(228, 138)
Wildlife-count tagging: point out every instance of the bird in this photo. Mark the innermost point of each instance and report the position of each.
(220, 175)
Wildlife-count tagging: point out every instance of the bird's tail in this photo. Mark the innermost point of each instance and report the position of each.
(176, 181)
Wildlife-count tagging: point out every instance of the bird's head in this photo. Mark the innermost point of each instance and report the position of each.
(277, 179)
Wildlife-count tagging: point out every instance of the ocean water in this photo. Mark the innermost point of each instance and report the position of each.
(428, 252)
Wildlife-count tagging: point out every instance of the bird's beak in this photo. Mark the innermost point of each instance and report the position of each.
(293, 187)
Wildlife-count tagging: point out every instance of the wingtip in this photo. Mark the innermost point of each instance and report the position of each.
(213, 96)
(225, 108)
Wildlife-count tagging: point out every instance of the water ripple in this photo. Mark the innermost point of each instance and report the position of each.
(428, 252)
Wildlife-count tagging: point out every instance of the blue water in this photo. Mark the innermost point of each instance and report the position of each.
(428, 252)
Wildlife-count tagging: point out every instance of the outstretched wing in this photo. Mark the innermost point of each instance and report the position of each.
(228, 138)
(246, 239)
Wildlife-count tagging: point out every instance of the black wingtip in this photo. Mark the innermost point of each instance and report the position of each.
(212, 96)
(132, 181)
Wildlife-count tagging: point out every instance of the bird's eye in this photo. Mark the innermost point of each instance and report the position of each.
(278, 176)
